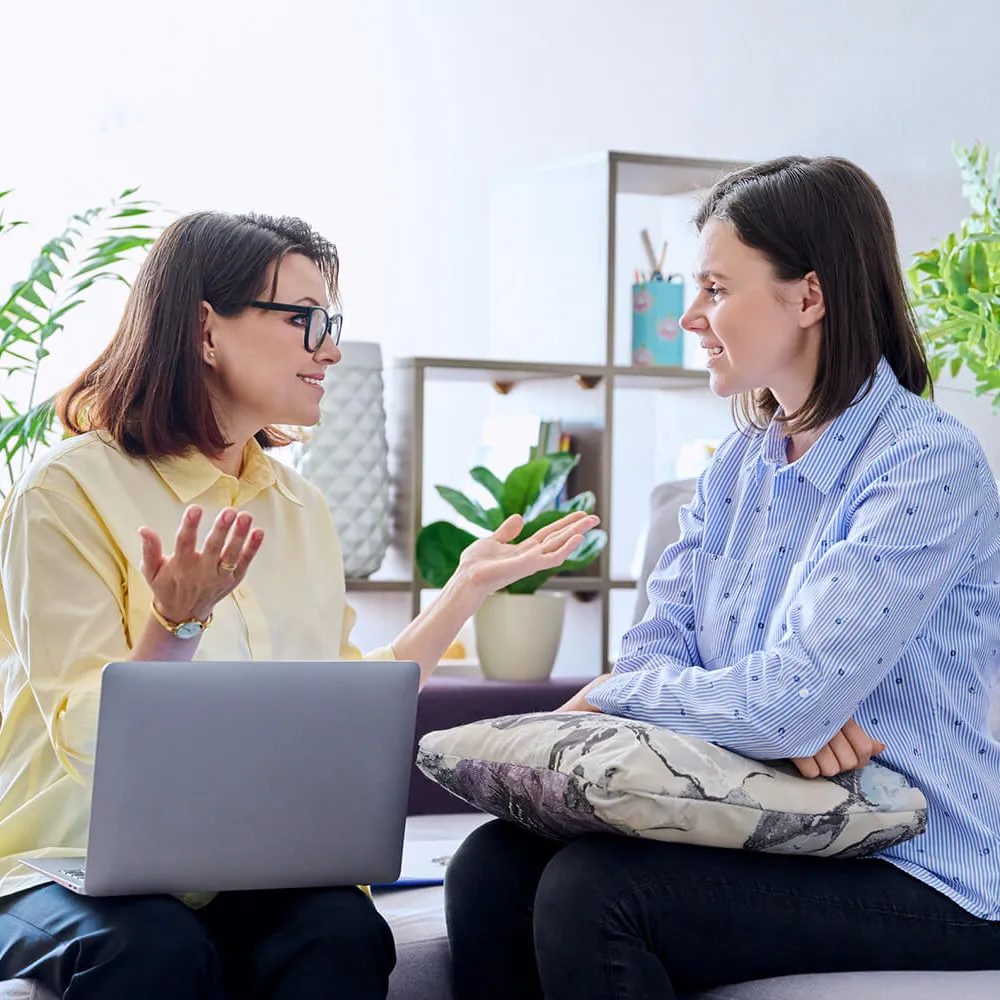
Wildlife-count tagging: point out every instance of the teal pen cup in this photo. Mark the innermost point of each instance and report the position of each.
(657, 337)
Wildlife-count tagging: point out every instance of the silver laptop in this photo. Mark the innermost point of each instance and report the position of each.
(248, 775)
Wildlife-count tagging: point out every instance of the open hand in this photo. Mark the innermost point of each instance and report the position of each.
(849, 750)
(492, 563)
(188, 584)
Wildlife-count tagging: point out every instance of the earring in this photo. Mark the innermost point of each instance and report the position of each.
(211, 354)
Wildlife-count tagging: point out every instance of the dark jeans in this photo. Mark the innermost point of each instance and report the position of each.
(618, 918)
(283, 945)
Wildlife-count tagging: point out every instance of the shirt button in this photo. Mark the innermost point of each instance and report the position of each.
(804, 693)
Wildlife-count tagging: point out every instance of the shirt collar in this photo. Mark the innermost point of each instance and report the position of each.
(192, 474)
(825, 461)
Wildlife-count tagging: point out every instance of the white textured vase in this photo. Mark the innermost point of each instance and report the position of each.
(517, 635)
(347, 457)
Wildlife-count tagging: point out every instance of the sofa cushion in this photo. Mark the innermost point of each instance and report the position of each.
(665, 504)
(25, 989)
(568, 774)
(864, 986)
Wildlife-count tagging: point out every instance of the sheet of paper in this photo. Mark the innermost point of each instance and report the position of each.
(424, 861)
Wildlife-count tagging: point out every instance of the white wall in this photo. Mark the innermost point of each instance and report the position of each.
(386, 122)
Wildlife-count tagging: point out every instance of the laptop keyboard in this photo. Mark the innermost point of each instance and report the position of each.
(74, 873)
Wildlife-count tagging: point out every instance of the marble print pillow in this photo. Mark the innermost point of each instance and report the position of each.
(564, 774)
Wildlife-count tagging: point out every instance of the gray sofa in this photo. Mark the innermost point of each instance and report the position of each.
(417, 915)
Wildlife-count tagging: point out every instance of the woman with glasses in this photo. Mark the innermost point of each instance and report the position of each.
(162, 530)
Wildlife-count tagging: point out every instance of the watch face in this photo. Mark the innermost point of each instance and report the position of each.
(188, 630)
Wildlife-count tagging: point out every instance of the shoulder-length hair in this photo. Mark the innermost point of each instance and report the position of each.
(828, 216)
(148, 387)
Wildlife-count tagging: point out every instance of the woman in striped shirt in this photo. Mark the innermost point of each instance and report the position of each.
(835, 593)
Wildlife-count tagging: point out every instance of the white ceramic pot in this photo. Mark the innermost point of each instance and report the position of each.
(347, 457)
(517, 635)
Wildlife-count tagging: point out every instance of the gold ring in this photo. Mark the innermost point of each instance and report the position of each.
(227, 567)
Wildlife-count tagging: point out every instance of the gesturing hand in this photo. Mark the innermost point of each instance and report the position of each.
(493, 563)
(188, 584)
(849, 750)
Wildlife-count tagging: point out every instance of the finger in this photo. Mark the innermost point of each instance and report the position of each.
(235, 541)
(217, 536)
(877, 747)
(847, 759)
(557, 539)
(250, 549)
(861, 742)
(578, 521)
(556, 556)
(807, 766)
(186, 540)
(510, 529)
(827, 761)
(152, 554)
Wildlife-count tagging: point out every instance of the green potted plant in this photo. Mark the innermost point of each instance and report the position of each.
(517, 630)
(92, 248)
(956, 285)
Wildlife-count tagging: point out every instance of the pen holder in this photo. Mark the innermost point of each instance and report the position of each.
(657, 337)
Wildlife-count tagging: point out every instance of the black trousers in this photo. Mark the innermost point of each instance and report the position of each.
(281, 945)
(615, 918)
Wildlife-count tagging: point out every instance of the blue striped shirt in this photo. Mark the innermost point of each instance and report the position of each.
(860, 581)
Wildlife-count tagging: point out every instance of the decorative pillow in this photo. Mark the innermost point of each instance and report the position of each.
(564, 774)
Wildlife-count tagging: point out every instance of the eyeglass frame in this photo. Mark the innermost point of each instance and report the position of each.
(332, 320)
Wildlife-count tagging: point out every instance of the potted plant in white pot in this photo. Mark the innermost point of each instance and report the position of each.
(518, 629)
(956, 285)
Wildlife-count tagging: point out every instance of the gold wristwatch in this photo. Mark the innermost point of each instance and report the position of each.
(182, 630)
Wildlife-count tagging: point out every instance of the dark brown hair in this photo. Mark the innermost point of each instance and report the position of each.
(826, 215)
(148, 388)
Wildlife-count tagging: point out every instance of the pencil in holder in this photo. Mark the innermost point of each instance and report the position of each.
(657, 337)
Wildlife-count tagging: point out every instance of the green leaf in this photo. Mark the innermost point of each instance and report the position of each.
(955, 366)
(485, 478)
(100, 265)
(439, 547)
(30, 295)
(542, 521)
(992, 345)
(561, 465)
(585, 501)
(495, 517)
(118, 245)
(590, 548)
(469, 509)
(980, 267)
(522, 486)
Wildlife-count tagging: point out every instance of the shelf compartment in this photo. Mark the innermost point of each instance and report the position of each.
(488, 370)
(640, 173)
(380, 586)
(659, 377)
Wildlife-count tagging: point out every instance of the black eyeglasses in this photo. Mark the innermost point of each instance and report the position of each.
(318, 325)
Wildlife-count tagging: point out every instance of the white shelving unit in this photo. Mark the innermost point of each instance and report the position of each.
(564, 245)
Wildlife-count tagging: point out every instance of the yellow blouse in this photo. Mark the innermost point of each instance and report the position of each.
(72, 599)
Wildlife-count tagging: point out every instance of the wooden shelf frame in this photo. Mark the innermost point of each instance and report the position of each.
(415, 377)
